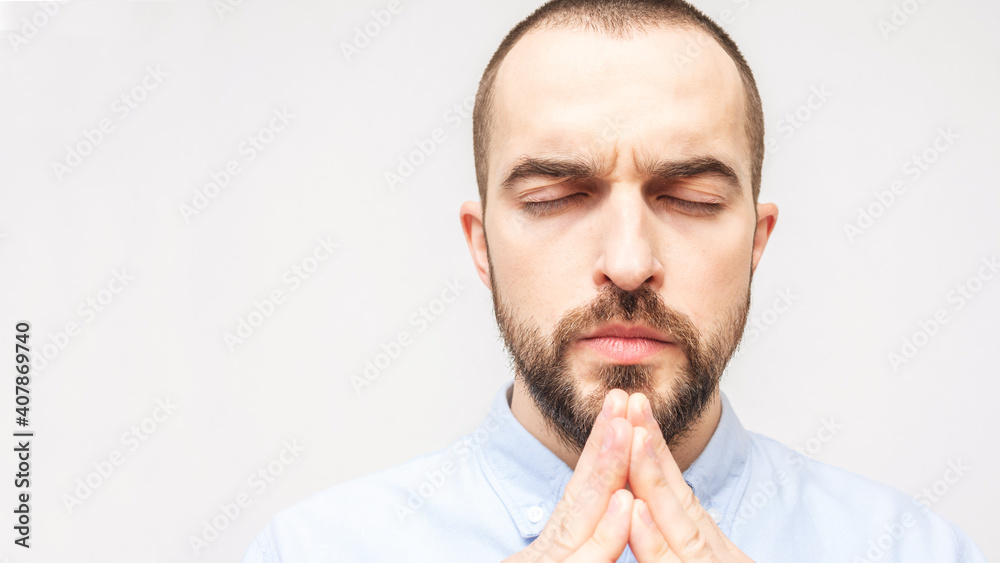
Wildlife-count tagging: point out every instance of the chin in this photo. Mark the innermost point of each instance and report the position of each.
(643, 378)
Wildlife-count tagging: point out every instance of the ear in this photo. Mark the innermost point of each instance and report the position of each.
(471, 215)
(767, 216)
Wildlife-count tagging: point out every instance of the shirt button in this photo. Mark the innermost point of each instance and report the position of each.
(715, 515)
(535, 514)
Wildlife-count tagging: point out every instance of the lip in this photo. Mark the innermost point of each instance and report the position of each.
(618, 330)
(626, 344)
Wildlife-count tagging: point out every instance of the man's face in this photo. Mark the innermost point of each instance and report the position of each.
(659, 238)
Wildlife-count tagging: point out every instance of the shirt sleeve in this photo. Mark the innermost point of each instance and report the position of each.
(967, 550)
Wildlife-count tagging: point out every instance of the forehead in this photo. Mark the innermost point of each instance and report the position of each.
(667, 92)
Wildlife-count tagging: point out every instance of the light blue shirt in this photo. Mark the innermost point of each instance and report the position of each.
(489, 494)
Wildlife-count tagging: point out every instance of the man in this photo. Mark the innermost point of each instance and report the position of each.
(618, 230)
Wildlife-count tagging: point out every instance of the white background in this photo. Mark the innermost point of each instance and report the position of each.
(63, 237)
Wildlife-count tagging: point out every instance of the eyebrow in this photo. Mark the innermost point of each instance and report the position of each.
(578, 168)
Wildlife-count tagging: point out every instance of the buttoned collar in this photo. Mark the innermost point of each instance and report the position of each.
(530, 479)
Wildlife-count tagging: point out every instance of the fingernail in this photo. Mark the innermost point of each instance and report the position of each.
(608, 409)
(609, 437)
(613, 505)
(648, 413)
(646, 516)
(648, 443)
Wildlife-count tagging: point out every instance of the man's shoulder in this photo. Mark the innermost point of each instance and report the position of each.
(376, 488)
(795, 469)
(846, 512)
(383, 512)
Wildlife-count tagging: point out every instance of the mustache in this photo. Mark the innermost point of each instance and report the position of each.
(642, 305)
(543, 362)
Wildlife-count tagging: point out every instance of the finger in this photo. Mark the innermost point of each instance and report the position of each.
(640, 414)
(618, 405)
(615, 405)
(645, 539)
(602, 469)
(681, 520)
(612, 533)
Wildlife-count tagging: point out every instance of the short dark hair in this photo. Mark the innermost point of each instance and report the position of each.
(617, 18)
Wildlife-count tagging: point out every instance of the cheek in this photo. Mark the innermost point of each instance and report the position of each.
(709, 273)
(537, 272)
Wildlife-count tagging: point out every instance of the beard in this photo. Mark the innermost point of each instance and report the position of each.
(570, 412)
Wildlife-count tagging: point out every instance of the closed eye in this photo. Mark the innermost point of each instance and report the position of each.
(692, 207)
(538, 208)
(549, 206)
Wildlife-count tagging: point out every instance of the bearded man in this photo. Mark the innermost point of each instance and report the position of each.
(618, 230)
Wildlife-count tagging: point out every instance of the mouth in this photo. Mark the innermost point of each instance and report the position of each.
(626, 344)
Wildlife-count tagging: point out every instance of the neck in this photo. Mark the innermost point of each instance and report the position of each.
(523, 407)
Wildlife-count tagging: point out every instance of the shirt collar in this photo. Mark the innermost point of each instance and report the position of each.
(530, 479)
(526, 475)
(718, 476)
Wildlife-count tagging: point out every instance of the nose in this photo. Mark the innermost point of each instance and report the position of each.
(629, 249)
